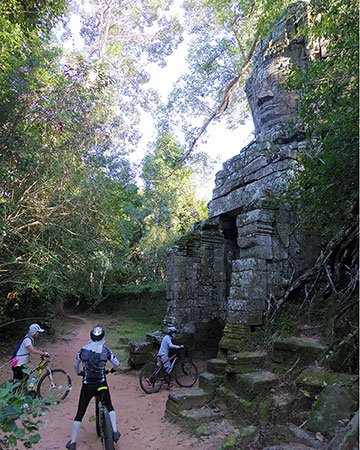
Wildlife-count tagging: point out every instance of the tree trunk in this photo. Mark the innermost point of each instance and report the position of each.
(59, 308)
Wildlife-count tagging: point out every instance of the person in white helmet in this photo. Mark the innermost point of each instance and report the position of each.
(93, 356)
(22, 355)
(166, 345)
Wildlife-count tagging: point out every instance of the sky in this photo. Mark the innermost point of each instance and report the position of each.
(220, 143)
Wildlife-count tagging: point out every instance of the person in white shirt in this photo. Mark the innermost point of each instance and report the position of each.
(166, 345)
(26, 348)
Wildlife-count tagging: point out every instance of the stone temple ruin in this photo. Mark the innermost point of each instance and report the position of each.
(223, 277)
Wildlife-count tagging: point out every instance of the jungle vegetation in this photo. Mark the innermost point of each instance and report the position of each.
(77, 218)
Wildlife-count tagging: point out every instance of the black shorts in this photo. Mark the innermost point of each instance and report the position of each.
(18, 373)
(88, 391)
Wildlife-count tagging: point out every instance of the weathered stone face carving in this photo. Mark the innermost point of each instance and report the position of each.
(273, 109)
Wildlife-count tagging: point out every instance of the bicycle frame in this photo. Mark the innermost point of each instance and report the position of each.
(38, 369)
(173, 360)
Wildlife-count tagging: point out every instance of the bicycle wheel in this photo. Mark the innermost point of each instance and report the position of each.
(107, 434)
(186, 373)
(97, 418)
(54, 386)
(151, 378)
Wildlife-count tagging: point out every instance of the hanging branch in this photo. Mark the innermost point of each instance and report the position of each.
(221, 108)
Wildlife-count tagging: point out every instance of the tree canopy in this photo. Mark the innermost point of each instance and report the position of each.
(76, 218)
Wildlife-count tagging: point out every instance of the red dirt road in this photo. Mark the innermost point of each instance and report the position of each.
(139, 416)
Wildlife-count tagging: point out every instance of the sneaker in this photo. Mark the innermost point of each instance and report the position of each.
(170, 384)
(116, 436)
(71, 445)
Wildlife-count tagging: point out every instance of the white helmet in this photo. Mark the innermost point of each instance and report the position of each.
(97, 334)
(172, 330)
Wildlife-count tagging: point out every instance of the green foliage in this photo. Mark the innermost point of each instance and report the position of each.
(19, 417)
(156, 288)
(66, 203)
(170, 205)
(220, 34)
(326, 189)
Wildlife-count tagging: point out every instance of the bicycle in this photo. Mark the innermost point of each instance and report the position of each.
(53, 386)
(103, 423)
(153, 375)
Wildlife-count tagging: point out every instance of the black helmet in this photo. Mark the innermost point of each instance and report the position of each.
(97, 334)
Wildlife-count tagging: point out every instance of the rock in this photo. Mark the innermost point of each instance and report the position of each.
(314, 379)
(209, 382)
(292, 433)
(252, 385)
(240, 439)
(216, 366)
(155, 337)
(187, 399)
(289, 350)
(242, 411)
(245, 362)
(205, 430)
(194, 417)
(231, 442)
(333, 405)
(140, 353)
(347, 438)
(282, 407)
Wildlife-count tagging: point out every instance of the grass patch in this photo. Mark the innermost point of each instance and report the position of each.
(133, 320)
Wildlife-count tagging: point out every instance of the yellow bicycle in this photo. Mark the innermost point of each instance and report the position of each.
(52, 385)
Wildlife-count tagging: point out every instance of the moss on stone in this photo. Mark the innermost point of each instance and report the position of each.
(241, 410)
(314, 379)
(236, 345)
(265, 412)
(333, 405)
(231, 442)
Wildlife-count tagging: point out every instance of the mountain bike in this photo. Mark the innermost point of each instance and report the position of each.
(103, 423)
(52, 385)
(153, 375)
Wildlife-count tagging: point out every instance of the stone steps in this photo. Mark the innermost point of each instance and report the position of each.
(246, 362)
(252, 385)
(306, 351)
(185, 400)
(210, 382)
(205, 414)
(244, 387)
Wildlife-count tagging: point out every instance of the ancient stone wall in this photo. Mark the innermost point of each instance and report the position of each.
(241, 259)
(198, 274)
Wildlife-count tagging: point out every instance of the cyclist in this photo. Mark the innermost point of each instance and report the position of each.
(22, 355)
(166, 345)
(93, 356)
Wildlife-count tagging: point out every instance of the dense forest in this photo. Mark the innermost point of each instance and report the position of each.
(78, 220)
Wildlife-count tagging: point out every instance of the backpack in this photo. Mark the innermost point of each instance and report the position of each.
(16, 350)
(18, 346)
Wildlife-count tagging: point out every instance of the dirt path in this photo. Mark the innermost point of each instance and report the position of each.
(139, 416)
